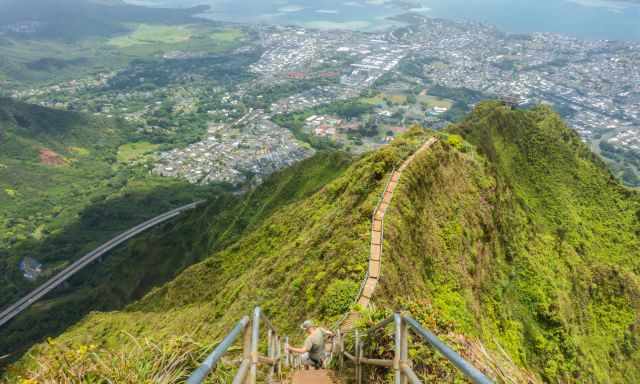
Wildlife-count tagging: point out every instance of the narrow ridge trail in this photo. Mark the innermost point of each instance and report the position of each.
(375, 266)
(377, 236)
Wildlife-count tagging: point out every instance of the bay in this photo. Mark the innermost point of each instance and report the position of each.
(587, 19)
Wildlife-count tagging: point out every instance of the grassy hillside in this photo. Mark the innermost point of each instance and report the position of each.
(297, 253)
(528, 245)
(62, 191)
(515, 245)
(153, 258)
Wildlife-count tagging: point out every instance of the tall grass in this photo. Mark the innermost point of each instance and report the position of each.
(144, 361)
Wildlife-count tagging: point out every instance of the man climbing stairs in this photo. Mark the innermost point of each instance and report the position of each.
(281, 355)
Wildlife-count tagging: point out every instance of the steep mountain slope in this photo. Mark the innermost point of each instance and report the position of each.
(49, 163)
(303, 258)
(153, 258)
(516, 245)
(63, 192)
(531, 246)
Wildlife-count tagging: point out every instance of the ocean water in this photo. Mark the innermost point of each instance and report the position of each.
(588, 19)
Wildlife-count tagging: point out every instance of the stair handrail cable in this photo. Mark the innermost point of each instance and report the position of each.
(251, 357)
(401, 364)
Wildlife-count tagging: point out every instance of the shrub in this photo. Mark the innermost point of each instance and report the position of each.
(338, 297)
(456, 141)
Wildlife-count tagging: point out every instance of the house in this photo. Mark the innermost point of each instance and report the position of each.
(31, 268)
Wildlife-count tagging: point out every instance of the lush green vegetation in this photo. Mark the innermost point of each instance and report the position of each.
(153, 258)
(279, 244)
(152, 34)
(63, 192)
(134, 151)
(528, 245)
(508, 238)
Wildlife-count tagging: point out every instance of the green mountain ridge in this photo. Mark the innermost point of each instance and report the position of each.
(41, 152)
(508, 235)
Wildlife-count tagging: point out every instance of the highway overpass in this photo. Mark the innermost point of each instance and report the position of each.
(24, 303)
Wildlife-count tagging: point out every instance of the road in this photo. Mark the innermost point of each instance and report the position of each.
(22, 304)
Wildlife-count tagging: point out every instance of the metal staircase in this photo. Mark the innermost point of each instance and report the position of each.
(370, 282)
(274, 359)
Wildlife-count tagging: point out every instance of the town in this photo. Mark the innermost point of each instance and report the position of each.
(429, 72)
(245, 151)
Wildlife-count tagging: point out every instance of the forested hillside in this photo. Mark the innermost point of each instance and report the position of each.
(508, 238)
(63, 190)
(521, 239)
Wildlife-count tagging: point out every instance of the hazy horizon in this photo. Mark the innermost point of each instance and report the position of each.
(589, 19)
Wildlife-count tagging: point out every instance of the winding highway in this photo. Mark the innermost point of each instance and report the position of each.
(22, 304)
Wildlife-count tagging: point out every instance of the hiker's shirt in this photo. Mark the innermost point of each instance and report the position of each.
(314, 344)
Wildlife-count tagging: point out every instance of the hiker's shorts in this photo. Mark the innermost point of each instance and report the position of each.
(307, 360)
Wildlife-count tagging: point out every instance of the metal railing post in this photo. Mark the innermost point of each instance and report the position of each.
(270, 354)
(287, 363)
(358, 367)
(360, 358)
(246, 348)
(398, 347)
(340, 351)
(404, 349)
(278, 354)
(255, 339)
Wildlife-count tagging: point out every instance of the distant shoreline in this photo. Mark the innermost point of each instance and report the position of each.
(595, 19)
(616, 4)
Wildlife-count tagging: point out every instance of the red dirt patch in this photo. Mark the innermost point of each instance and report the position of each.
(49, 157)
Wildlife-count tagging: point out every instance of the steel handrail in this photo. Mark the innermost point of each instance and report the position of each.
(464, 366)
(248, 370)
(211, 361)
(401, 364)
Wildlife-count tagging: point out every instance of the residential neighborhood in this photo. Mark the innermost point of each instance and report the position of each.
(429, 73)
(246, 151)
